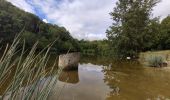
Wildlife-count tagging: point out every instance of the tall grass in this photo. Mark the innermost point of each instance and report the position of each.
(155, 60)
(30, 80)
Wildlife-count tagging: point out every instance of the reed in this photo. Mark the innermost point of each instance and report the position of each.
(31, 80)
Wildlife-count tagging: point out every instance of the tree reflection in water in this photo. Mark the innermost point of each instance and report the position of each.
(113, 74)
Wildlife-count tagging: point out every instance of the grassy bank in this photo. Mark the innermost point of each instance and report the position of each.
(164, 55)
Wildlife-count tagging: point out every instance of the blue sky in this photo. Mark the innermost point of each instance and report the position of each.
(85, 19)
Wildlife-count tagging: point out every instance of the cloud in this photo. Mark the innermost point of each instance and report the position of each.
(83, 18)
(162, 9)
(22, 4)
(45, 20)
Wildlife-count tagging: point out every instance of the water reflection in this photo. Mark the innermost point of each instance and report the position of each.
(69, 77)
(90, 86)
(104, 79)
(131, 81)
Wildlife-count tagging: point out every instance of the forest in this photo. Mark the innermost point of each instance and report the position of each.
(14, 21)
(133, 31)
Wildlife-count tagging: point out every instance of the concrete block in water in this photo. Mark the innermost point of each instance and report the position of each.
(69, 61)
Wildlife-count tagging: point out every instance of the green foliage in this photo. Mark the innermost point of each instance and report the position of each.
(152, 36)
(96, 48)
(13, 20)
(164, 41)
(131, 26)
(133, 31)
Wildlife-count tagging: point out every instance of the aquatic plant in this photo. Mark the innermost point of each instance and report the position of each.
(155, 60)
(31, 80)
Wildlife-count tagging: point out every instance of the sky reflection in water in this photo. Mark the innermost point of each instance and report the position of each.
(123, 81)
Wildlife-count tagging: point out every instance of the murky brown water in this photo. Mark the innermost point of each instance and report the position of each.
(104, 79)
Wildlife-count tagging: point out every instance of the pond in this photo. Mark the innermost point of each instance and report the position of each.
(104, 79)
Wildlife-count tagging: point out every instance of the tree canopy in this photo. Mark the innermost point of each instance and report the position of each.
(13, 20)
(132, 29)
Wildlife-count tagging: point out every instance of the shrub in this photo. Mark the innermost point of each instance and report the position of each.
(155, 60)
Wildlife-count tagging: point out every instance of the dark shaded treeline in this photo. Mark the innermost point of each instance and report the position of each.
(13, 20)
(96, 48)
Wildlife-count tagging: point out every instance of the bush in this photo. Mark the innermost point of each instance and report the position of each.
(155, 61)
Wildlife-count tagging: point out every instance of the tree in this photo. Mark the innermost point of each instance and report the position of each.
(13, 20)
(130, 22)
(152, 36)
(164, 42)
